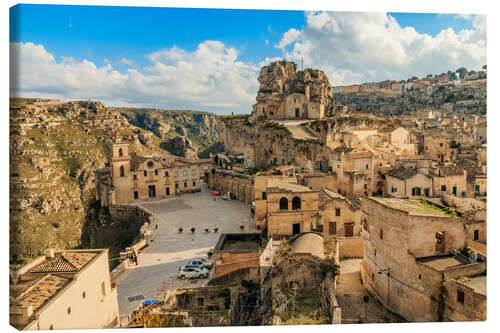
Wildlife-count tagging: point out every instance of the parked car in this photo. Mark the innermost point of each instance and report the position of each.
(200, 263)
(192, 272)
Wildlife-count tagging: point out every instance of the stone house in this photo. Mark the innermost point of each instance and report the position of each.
(132, 178)
(399, 137)
(356, 174)
(290, 208)
(404, 182)
(449, 179)
(411, 250)
(65, 289)
(338, 216)
(236, 252)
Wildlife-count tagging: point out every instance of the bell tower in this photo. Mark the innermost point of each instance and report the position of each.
(120, 171)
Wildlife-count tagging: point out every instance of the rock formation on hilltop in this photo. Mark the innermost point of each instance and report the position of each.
(287, 93)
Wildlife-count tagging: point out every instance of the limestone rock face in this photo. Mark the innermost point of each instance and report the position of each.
(283, 78)
(181, 146)
(55, 147)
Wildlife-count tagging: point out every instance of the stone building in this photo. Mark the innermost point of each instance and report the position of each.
(338, 216)
(290, 208)
(131, 178)
(449, 179)
(230, 175)
(412, 252)
(237, 252)
(287, 93)
(404, 182)
(65, 289)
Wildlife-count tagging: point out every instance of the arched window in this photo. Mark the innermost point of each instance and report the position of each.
(122, 171)
(296, 204)
(120, 152)
(283, 203)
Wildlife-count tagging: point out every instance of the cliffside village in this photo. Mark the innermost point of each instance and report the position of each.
(405, 196)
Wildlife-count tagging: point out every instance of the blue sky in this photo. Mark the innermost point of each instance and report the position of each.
(104, 32)
(127, 37)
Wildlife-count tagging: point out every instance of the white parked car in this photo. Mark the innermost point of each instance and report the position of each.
(192, 272)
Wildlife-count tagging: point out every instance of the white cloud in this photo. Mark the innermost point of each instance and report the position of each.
(349, 47)
(358, 47)
(210, 78)
(125, 61)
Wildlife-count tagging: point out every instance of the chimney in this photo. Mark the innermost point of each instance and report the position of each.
(50, 253)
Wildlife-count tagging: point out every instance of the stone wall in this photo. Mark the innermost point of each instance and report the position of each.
(351, 247)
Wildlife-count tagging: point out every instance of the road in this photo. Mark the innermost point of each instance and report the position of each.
(169, 249)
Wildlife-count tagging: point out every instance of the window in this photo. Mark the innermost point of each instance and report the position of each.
(176, 185)
(375, 252)
(83, 295)
(185, 184)
(166, 173)
(135, 177)
(51, 327)
(415, 191)
(441, 144)
(349, 229)
(264, 196)
(283, 203)
(381, 234)
(122, 171)
(367, 167)
(296, 204)
(337, 211)
(156, 172)
(332, 228)
(194, 183)
(443, 187)
(200, 301)
(366, 186)
(136, 195)
(420, 276)
(167, 191)
(120, 152)
(69, 310)
(103, 288)
(373, 277)
(145, 173)
(460, 296)
(476, 234)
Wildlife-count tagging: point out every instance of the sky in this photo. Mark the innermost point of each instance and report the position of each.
(209, 59)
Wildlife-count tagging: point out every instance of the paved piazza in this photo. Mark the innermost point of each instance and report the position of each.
(169, 249)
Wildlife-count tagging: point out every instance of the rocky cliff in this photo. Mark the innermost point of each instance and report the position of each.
(184, 133)
(55, 147)
(269, 143)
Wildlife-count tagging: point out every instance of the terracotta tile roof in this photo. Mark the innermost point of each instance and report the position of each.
(43, 290)
(70, 262)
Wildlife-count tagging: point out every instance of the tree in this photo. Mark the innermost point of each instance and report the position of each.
(461, 72)
(429, 75)
(484, 67)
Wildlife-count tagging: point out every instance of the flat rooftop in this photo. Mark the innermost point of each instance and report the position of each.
(442, 263)
(238, 242)
(478, 283)
(286, 185)
(413, 207)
